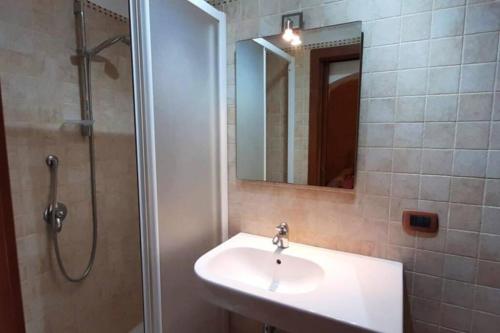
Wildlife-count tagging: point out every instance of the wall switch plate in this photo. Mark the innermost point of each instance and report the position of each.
(420, 221)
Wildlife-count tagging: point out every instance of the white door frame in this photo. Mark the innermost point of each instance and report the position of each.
(145, 145)
(291, 101)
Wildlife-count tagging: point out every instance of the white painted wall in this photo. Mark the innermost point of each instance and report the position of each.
(251, 105)
(341, 69)
(117, 6)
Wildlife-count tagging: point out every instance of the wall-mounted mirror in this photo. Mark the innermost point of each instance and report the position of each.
(297, 107)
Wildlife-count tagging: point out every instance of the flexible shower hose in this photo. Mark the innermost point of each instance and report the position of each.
(55, 225)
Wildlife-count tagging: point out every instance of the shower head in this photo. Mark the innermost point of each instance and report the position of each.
(125, 39)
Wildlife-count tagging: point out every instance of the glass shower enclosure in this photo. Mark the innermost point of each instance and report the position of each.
(116, 129)
(179, 54)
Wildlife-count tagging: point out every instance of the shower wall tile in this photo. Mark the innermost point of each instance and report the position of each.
(426, 142)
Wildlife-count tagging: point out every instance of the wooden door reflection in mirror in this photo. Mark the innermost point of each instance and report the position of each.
(335, 83)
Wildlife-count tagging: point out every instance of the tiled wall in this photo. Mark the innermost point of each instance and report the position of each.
(276, 117)
(429, 140)
(40, 89)
(301, 136)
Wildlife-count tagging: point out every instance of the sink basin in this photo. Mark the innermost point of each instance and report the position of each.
(303, 287)
(260, 269)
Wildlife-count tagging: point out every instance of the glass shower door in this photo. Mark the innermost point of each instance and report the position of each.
(182, 111)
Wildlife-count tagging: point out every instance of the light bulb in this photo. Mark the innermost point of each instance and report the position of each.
(288, 34)
(296, 40)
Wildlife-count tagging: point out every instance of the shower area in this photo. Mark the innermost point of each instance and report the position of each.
(118, 175)
(68, 106)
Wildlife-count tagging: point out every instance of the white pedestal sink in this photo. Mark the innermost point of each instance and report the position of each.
(303, 288)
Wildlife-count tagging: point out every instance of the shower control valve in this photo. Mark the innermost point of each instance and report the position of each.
(60, 212)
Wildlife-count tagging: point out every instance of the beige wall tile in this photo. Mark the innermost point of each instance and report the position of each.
(489, 248)
(467, 190)
(446, 51)
(437, 161)
(493, 167)
(416, 27)
(410, 109)
(441, 108)
(425, 310)
(435, 188)
(485, 322)
(491, 220)
(427, 286)
(408, 135)
(455, 317)
(481, 47)
(458, 293)
(405, 186)
(429, 262)
(465, 217)
(472, 135)
(412, 82)
(459, 268)
(407, 160)
(487, 299)
(444, 80)
(482, 18)
(475, 107)
(462, 243)
(492, 192)
(448, 22)
(415, 6)
(439, 135)
(477, 78)
(488, 274)
(470, 163)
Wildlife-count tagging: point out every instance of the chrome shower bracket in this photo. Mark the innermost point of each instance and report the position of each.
(56, 211)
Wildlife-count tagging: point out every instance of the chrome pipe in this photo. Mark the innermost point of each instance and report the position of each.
(107, 43)
(83, 64)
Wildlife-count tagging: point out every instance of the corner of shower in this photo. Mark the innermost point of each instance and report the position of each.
(56, 211)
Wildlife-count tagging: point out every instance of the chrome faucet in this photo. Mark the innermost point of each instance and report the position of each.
(281, 238)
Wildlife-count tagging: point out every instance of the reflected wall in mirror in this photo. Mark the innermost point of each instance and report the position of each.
(297, 107)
